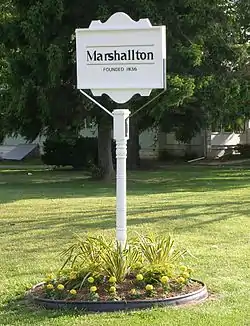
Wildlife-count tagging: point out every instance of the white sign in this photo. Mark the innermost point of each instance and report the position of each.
(121, 57)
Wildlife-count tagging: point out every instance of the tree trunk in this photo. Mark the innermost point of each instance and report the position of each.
(133, 146)
(105, 162)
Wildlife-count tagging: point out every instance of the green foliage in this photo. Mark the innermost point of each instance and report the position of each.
(75, 151)
(84, 253)
(151, 253)
(79, 152)
(117, 261)
(101, 257)
(39, 51)
(228, 96)
(204, 41)
(159, 250)
(101, 267)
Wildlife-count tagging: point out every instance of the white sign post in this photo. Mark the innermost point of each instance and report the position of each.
(121, 58)
(121, 136)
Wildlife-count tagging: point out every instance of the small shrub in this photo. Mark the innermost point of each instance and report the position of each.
(57, 152)
(159, 250)
(79, 152)
(84, 253)
(100, 269)
(118, 262)
(101, 257)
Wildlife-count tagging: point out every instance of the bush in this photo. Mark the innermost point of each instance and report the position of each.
(244, 150)
(149, 266)
(81, 152)
(78, 153)
(147, 254)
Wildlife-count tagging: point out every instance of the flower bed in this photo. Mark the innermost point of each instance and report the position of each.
(193, 296)
(149, 270)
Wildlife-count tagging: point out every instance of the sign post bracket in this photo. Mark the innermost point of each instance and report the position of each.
(97, 103)
(146, 104)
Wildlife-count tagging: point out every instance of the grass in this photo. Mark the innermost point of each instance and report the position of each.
(207, 209)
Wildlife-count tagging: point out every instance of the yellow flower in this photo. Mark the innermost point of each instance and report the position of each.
(133, 291)
(181, 279)
(112, 289)
(183, 268)
(60, 287)
(149, 287)
(49, 278)
(73, 292)
(164, 279)
(138, 265)
(112, 279)
(93, 289)
(139, 277)
(73, 275)
(91, 280)
(50, 286)
(185, 274)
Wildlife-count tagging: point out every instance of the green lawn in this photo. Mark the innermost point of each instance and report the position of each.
(207, 210)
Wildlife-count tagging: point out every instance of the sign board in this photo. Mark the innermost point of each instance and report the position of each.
(121, 57)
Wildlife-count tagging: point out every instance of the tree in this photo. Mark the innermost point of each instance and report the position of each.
(5, 15)
(206, 49)
(205, 53)
(41, 96)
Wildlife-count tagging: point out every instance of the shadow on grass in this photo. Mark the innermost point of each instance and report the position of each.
(68, 184)
(172, 217)
(27, 313)
(60, 185)
(51, 185)
(21, 310)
